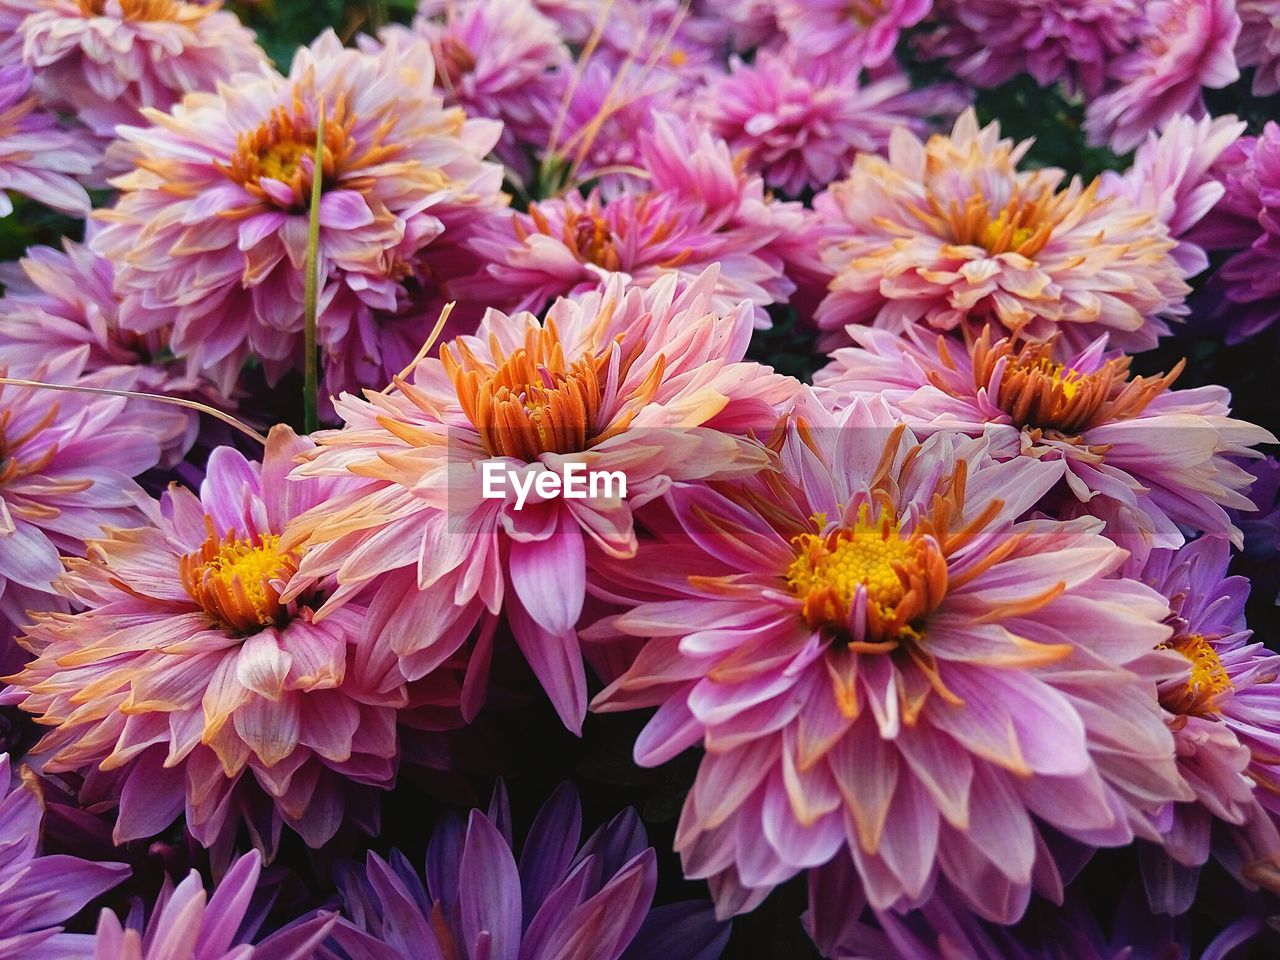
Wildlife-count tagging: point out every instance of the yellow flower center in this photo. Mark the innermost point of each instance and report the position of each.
(1209, 677)
(1022, 225)
(279, 161)
(147, 10)
(903, 577)
(232, 579)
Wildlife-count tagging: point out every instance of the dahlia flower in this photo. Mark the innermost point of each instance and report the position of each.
(1259, 43)
(61, 301)
(1173, 176)
(943, 930)
(802, 120)
(884, 664)
(989, 42)
(37, 893)
(223, 699)
(187, 924)
(107, 60)
(1261, 527)
(700, 208)
(500, 59)
(671, 38)
(1184, 45)
(861, 31)
(1225, 718)
(951, 234)
(557, 900)
(209, 235)
(38, 159)
(1149, 460)
(639, 381)
(751, 23)
(1246, 220)
(66, 466)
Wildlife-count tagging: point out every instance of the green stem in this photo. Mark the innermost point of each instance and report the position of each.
(311, 387)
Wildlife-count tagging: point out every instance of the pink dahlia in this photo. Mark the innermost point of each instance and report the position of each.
(1259, 43)
(188, 924)
(857, 31)
(209, 235)
(1247, 221)
(1151, 461)
(500, 59)
(225, 700)
(67, 462)
(672, 38)
(884, 664)
(62, 301)
(107, 60)
(1173, 176)
(38, 159)
(700, 209)
(557, 901)
(802, 120)
(988, 42)
(951, 234)
(38, 893)
(1225, 718)
(1184, 45)
(643, 382)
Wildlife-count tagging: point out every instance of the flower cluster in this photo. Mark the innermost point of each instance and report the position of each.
(639, 480)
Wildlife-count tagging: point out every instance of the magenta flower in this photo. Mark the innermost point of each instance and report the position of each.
(700, 209)
(38, 159)
(107, 60)
(1246, 221)
(1259, 43)
(209, 235)
(37, 893)
(65, 474)
(883, 663)
(858, 31)
(1173, 176)
(557, 901)
(59, 302)
(1225, 718)
(595, 383)
(802, 120)
(988, 42)
(1185, 45)
(225, 702)
(1149, 460)
(188, 924)
(503, 60)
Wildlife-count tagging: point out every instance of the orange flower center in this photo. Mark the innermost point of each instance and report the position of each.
(533, 401)
(903, 577)
(866, 12)
(1038, 392)
(1208, 677)
(234, 580)
(1023, 225)
(149, 10)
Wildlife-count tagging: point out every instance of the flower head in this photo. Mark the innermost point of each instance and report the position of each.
(641, 382)
(950, 234)
(224, 700)
(861, 31)
(988, 42)
(883, 663)
(1259, 43)
(1149, 460)
(38, 159)
(66, 466)
(38, 893)
(1184, 46)
(209, 236)
(188, 924)
(106, 60)
(557, 900)
(700, 208)
(802, 120)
